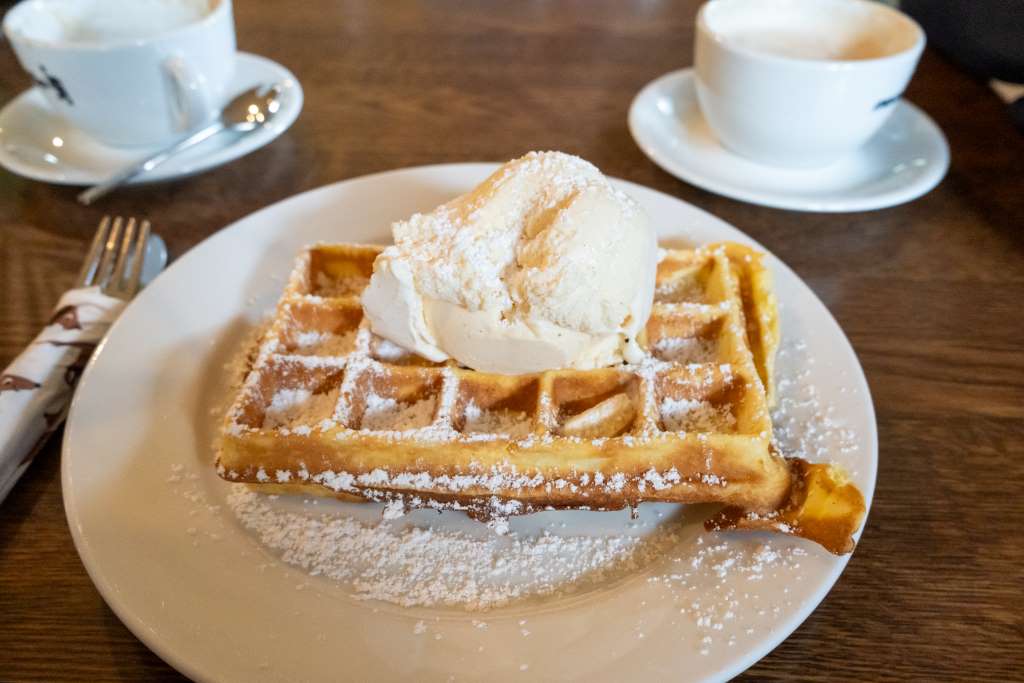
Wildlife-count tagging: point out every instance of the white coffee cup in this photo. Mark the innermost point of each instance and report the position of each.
(801, 83)
(128, 72)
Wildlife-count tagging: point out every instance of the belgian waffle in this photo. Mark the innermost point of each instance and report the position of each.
(328, 407)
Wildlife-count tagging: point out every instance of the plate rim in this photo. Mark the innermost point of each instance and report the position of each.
(909, 192)
(181, 662)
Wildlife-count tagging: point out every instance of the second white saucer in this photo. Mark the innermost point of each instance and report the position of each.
(37, 143)
(904, 160)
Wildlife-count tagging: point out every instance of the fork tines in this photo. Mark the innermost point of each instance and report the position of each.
(114, 260)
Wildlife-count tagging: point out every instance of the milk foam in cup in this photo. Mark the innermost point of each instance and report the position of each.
(801, 83)
(128, 72)
(102, 21)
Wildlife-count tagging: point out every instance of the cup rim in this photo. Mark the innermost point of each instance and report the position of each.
(915, 48)
(14, 35)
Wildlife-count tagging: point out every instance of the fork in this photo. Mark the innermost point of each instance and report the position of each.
(36, 389)
(106, 263)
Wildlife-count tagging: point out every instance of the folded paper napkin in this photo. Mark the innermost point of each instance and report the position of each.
(36, 388)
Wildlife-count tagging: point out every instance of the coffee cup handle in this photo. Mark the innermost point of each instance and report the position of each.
(188, 93)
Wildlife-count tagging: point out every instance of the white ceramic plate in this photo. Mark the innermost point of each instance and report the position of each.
(904, 160)
(150, 520)
(41, 145)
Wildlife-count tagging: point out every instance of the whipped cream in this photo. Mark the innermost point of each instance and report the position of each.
(544, 265)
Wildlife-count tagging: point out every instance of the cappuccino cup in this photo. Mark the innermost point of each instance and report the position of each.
(801, 83)
(127, 72)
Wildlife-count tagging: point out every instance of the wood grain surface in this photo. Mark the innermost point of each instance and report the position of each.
(930, 294)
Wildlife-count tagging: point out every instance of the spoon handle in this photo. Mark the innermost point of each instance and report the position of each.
(149, 163)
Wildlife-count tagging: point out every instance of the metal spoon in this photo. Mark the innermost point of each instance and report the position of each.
(248, 111)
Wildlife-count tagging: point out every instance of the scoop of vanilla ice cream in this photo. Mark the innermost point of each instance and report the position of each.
(544, 265)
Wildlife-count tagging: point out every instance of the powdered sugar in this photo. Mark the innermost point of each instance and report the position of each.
(805, 426)
(387, 414)
(328, 286)
(724, 591)
(291, 407)
(513, 423)
(684, 350)
(426, 561)
(718, 583)
(410, 565)
(315, 343)
(689, 290)
(388, 351)
(691, 415)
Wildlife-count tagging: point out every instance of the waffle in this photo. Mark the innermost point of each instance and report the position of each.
(328, 407)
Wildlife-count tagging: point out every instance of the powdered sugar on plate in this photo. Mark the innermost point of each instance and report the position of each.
(428, 566)
(411, 563)
(717, 583)
(803, 425)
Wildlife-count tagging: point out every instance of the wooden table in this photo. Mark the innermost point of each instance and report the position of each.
(929, 293)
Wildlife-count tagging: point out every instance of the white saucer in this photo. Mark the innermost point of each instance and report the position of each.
(904, 160)
(39, 144)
